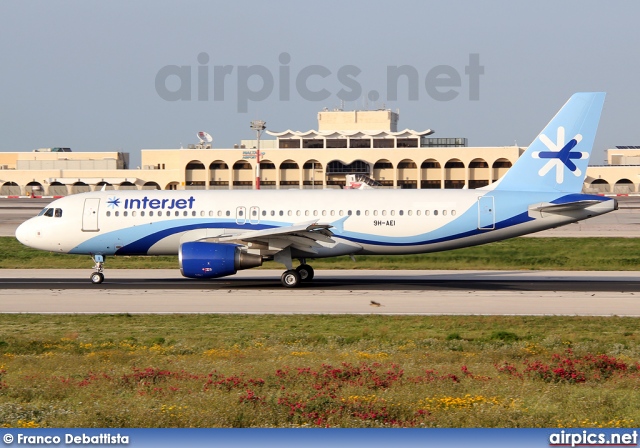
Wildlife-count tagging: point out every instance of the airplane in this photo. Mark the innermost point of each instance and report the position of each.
(216, 233)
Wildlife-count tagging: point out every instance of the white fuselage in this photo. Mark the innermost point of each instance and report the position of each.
(373, 221)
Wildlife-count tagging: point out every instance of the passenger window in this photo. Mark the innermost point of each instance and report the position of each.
(142, 213)
(409, 212)
(210, 212)
(159, 213)
(384, 213)
(444, 213)
(453, 213)
(349, 212)
(315, 213)
(435, 213)
(281, 213)
(324, 213)
(418, 212)
(125, 213)
(426, 213)
(341, 212)
(298, 213)
(289, 213)
(264, 213)
(228, 213)
(150, 213)
(219, 212)
(108, 214)
(375, 213)
(58, 213)
(201, 212)
(400, 212)
(393, 212)
(133, 213)
(333, 213)
(273, 213)
(306, 213)
(193, 213)
(366, 213)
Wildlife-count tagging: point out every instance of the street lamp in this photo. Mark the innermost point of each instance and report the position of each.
(258, 126)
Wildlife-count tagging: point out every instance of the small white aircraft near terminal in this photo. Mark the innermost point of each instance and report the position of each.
(217, 233)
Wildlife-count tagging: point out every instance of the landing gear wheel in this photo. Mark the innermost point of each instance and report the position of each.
(305, 272)
(97, 278)
(290, 278)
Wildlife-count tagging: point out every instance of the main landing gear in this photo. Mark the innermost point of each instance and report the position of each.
(98, 277)
(292, 278)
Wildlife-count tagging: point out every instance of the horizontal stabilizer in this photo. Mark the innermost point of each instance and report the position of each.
(537, 210)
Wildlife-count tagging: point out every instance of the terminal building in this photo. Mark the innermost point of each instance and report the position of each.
(346, 142)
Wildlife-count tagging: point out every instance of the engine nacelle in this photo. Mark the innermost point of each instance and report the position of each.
(211, 260)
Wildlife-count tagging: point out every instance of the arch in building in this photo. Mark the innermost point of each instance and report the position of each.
(289, 174)
(194, 175)
(80, 187)
(10, 189)
(407, 174)
(58, 189)
(172, 186)
(478, 173)
(34, 188)
(150, 186)
(243, 175)
(103, 184)
(499, 168)
(268, 174)
(126, 185)
(218, 175)
(383, 172)
(431, 174)
(454, 174)
(336, 171)
(624, 186)
(312, 174)
(600, 186)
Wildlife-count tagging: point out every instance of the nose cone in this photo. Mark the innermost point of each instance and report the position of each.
(24, 233)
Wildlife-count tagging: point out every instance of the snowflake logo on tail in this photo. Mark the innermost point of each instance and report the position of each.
(560, 155)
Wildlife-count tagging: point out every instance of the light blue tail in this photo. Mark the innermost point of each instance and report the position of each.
(557, 159)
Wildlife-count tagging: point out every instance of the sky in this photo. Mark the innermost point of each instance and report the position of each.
(104, 76)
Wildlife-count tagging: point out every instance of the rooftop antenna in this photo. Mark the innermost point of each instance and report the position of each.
(205, 140)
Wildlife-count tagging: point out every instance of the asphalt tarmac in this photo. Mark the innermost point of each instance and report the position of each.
(332, 292)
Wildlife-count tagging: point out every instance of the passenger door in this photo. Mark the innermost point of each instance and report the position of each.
(486, 213)
(90, 215)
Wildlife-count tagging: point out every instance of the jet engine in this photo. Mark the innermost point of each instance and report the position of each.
(212, 260)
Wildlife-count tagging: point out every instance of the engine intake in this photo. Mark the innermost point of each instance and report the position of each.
(212, 260)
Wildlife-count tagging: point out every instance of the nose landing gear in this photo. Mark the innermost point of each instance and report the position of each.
(97, 276)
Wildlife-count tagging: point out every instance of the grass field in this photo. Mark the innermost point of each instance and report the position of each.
(338, 371)
(613, 254)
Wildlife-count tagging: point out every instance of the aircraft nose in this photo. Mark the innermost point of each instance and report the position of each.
(24, 232)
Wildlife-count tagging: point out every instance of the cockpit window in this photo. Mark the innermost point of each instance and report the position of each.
(58, 213)
(44, 210)
(49, 212)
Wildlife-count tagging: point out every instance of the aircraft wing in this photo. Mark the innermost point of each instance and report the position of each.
(304, 236)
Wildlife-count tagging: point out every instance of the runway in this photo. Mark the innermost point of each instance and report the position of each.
(332, 292)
